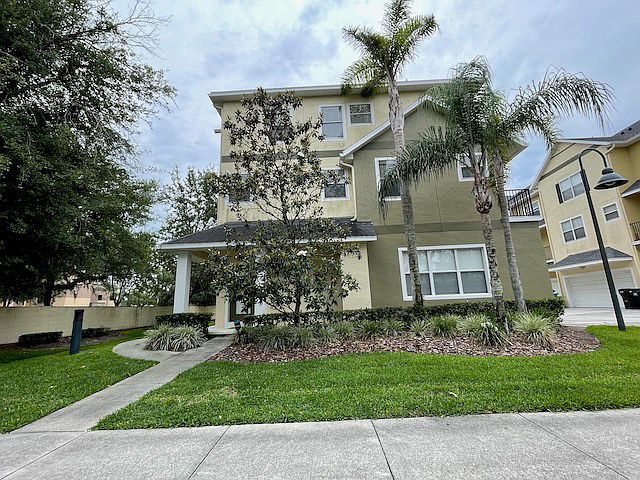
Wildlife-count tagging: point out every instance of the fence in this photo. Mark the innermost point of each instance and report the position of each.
(16, 321)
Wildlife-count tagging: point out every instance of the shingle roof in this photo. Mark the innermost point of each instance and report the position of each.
(590, 256)
(622, 136)
(218, 234)
(634, 186)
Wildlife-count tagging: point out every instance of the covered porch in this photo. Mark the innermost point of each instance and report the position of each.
(196, 248)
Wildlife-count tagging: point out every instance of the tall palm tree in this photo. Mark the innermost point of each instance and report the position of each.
(536, 109)
(383, 56)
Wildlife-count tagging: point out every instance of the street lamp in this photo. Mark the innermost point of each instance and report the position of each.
(609, 179)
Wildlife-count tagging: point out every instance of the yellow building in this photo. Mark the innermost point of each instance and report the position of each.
(567, 231)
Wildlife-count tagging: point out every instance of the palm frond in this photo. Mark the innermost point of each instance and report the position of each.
(409, 36)
(396, 13)
(365, 40)
(364, 71)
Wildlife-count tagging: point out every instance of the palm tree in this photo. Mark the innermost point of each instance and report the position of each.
(466, 105)
(536, 109)
(383, 56)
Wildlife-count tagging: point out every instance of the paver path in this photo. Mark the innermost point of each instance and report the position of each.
(84, 414)
(578, 445)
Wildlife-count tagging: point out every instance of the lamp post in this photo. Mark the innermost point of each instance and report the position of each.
(609, 179)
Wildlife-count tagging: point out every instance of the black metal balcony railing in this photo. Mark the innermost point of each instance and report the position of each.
(520, 204)
(635, 230)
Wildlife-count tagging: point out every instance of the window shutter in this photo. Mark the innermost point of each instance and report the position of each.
(559, 193)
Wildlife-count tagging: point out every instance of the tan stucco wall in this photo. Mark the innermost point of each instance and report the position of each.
(359, 269)
(16, 321)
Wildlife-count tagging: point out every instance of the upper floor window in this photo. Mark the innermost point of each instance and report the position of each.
(382, 166)
(570, 187)
(573, 229)
(360, 114)
(465, 174)
(332, 122)
(535, 207)
(610, 212)
(455, 271)
(336, 187)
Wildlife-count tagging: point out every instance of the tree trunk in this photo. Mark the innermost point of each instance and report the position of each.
(396, 119)
(483, 206)
(47, 294)
(514, 273)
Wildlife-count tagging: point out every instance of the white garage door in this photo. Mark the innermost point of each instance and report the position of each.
(591, 290)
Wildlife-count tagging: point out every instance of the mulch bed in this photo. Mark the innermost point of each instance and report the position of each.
(569, 340)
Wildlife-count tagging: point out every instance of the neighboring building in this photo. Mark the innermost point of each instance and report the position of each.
(574, 262)
(85, 295)
(359, 142)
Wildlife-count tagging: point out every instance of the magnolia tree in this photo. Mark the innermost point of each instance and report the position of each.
(293, 256)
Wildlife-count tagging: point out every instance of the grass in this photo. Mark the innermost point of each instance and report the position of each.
(383, 385)
(38, 381)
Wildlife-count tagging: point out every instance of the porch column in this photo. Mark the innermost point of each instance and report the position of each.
(183, 282)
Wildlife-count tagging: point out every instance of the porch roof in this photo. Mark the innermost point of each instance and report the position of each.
(216, 237)
(591, 257)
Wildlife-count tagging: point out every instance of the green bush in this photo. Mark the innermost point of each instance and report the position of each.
(472, 324)
(184, 338)
(324, 334)
(303, 337)
(276, 337)
(95, 332)
(368, 329)
(536, 328)
(393, 327)
(197, 320)
(445, 325)
(344, 330)
(159, 338)
(419, 328)
(32, 339)
(552, 307)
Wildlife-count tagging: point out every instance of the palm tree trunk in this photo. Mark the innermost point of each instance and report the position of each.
(396, 119)
(514, 273)
(483, 206)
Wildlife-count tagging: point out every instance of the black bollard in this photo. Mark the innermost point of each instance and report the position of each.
(76, 333)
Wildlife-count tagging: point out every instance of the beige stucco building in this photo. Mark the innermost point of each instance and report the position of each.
(358, 141)
(567, 231)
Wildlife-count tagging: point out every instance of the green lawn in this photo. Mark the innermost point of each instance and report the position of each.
(393, 385)
(36, 382)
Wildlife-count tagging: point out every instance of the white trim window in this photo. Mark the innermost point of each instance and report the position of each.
(465, 174)
(336, 186)
(570, 187)
(332, 121)
(573, 229)
(611, 212)
(382, 164)
(447, 272)
(360, 113)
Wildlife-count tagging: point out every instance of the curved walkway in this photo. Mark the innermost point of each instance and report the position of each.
(580, 445)
(135, 349)
(82, 415)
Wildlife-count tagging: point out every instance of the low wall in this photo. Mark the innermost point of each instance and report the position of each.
(16, 321)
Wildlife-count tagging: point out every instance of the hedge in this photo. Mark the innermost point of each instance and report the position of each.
(95, 332)
(552, 307)
(198, 320)
(32, 339)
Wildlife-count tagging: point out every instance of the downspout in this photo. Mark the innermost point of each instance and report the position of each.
(353, 182)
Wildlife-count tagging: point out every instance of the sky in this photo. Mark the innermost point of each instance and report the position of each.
(211, 45)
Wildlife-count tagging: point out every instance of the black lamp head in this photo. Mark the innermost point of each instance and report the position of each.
(610, 179)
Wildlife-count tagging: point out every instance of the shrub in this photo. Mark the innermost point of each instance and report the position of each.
(159, 338)
(393, 327)
(471, 324)
(368, 329)
(536, 328)
(303, 337)
(344, 330)
(184, 338)
(445, 325)
(95, 332)
(276, 337)
(32, 339)
(419, 328)
(325, 334)
(197, 320)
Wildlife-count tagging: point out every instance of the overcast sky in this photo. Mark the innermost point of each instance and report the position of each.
(222, 45)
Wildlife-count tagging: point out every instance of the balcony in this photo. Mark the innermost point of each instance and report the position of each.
(521, 208)
(635, 232)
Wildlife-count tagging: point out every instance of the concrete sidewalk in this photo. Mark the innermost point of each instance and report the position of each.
(581, 445)
(84, 414)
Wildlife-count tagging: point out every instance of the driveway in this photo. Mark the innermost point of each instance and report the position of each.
(584, 445)
(598, 316)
